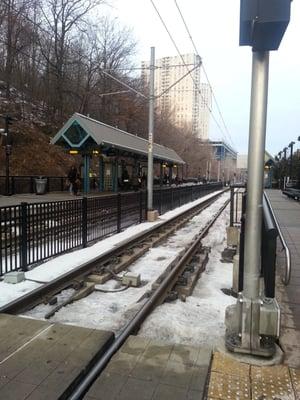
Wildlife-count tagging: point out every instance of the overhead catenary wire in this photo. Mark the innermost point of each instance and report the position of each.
(176, 83)
(43, 64)
(183, 61)
(105, 71)
(205, 73)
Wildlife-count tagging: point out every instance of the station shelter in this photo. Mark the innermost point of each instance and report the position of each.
(116, 151)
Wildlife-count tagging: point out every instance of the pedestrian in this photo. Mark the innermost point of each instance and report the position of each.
(73, 179)
(135, 182)
(144, 180)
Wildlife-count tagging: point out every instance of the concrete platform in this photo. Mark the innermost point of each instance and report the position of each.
(145, 369)
(40, 360)
(288, 214)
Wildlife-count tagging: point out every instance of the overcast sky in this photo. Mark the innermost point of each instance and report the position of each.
(214, 26)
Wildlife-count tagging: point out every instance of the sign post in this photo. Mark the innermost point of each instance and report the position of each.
(262, 27)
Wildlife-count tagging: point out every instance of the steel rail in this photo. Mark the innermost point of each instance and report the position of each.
(33, 298)
(288, 265)
(145, 310)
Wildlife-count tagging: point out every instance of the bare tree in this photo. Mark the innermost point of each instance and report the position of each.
(63, 19)
(14, 35)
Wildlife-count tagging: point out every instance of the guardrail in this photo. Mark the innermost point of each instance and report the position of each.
(270, 232)
(268, 250)
(236, 194)
(288, 266)
(33, 232)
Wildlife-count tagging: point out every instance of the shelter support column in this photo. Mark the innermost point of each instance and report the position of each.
(101, 174)
(115, 175)
(86, 176)
(161, 172)
(170, 174)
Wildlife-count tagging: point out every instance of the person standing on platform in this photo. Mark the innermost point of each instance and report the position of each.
(73, 179)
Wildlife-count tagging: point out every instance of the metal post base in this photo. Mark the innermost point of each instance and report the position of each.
(245, 336)
(267, 347)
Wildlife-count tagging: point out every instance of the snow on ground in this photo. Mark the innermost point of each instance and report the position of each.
(66, 262)
(111, 311)
(200, 320)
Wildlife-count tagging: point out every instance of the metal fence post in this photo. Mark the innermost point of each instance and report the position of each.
(269, 262)
(141, 205)
(242, 243)
(231, 205)
(62, 184)
(84, 222)
(31, 185)
(119, 210)
(171, 198)
(160, 200)
(24, 262)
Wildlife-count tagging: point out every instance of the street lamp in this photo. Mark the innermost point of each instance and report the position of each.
(291, 159)
(279, 169)
(5, 132)
(284, 166)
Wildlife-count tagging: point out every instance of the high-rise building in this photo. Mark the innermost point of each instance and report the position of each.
(188, 102)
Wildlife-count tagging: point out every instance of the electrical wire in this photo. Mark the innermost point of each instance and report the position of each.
(205, 73)
(175, 83)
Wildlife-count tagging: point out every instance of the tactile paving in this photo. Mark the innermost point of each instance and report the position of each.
(295, 375)
(224, 364)
(271, 383)
(228, 387)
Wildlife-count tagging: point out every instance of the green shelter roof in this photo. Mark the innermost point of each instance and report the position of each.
(82, 132)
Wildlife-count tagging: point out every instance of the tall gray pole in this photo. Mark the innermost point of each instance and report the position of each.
(151, 128)
(257, 135)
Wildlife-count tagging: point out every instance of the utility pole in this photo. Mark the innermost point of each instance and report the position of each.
(151, 133)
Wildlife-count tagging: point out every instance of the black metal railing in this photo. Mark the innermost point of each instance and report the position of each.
(26, 184)
(33, 232)
(236, 195)
(268, 248)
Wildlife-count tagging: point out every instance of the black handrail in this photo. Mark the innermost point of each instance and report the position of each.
(288, 267)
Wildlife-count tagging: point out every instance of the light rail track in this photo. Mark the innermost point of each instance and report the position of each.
(156, 298)
(113, 261)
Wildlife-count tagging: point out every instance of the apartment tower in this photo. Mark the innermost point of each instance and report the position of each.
(188, 102)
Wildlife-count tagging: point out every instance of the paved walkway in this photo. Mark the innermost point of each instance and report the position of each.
(287, 212)
(52, 196)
